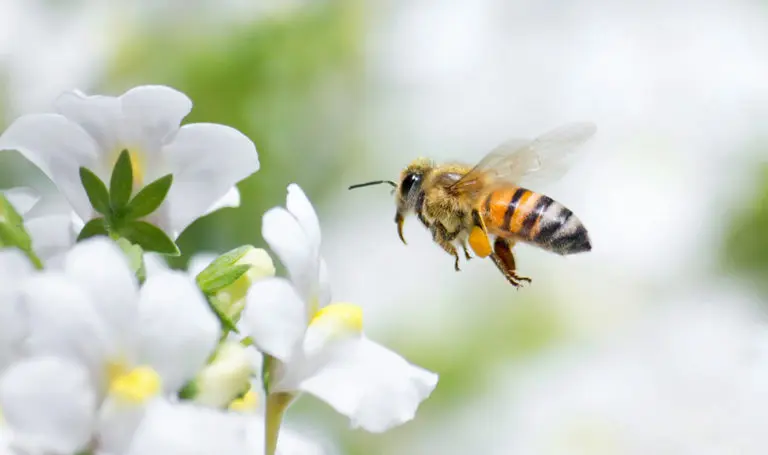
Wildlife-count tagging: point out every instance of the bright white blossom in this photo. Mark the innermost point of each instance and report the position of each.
(319, 345)
(48, 405)
(93, 312)
(206, 160)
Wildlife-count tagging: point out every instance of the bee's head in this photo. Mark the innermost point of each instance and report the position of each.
(407, 191)
(409, 188)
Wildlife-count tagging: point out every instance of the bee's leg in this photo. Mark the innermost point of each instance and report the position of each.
(441, 236)
(466, 250)
(504, 259)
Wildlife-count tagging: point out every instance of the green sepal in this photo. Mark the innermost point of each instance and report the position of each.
(135, 256)
(149, 237)
(226, 323)
(208, 278)
(96, 191)
(121, 182)
(189, 391)
(266, 372)
(96, 226)
(149, 198)
(221, 278)
(13, 233)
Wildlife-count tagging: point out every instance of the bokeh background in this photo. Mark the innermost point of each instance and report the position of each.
(641, 346)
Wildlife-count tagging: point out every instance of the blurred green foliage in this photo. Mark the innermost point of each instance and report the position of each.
(746, 246)
(290, 82)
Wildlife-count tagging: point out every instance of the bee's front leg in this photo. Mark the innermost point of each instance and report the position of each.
(443, 238)
(466, 250)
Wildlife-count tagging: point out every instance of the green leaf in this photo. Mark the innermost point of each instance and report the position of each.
(149, 237)
(149, 198)
(121, 183)
(135, 256)
(96, 191)
(95, 227)
(222, 278)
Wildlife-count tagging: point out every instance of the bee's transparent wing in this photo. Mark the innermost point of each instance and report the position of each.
(543, 159)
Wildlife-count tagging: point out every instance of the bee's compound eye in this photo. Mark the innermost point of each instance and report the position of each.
(408, 183)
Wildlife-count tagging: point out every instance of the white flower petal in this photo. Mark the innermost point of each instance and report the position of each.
(51, 235)
(178, 329)
(300, 207)
(98, 115)
(99, 266)
(206, 161)
(14, 267)
(63, 322)
(375, 387)
(230, 200)
(154, 263)
(117, 423)
(325, 284)
(21, 198)
(49, 403)
(58, 147)
(275, 317)
(183, 429)
(151, 115)
(287, 238)
(51, 204)
(199, 262)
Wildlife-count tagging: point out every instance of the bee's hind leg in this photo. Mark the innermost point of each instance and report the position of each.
(443, 238)
(504, 259)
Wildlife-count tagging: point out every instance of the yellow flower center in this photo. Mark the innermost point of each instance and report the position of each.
(135, 386)
(345, 317)
(246, 403)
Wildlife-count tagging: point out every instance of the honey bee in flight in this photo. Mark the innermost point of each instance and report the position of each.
(463, 204)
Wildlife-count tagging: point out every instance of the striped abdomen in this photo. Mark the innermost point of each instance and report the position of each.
(534, 218)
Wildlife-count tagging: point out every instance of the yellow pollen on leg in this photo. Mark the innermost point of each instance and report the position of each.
(135, 386)
(479, 242)
(346, 316)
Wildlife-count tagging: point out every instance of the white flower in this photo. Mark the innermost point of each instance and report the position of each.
(206, 160)
(48, 406)
(320, 346)
(93, 312)
(14, 268)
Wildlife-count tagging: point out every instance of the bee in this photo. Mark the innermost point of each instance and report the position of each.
(461, 204)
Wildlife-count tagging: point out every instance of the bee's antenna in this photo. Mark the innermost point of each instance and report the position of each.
(376, 182)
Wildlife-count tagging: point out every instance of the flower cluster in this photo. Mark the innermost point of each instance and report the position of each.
(105, 350)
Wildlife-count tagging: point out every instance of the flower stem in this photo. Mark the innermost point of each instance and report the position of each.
(277, 403)
(36, 262)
